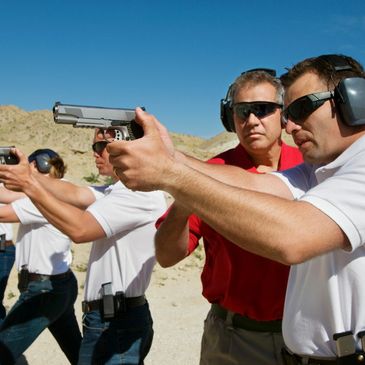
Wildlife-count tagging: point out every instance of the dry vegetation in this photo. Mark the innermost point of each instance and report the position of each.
(32, 130)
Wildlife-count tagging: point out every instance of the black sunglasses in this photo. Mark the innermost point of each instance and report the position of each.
(302, 107)
(99, 146)
(260, 109)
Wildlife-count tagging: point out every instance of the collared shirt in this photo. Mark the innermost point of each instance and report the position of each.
(126, 256)
(236, 279)
(326, 294)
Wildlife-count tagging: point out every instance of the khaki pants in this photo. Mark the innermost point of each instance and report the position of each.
(225, 345)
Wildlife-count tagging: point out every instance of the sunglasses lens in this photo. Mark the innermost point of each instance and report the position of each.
(259, 109)
(99, 147)
(301, 108)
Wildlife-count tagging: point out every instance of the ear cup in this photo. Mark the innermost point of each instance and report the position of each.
(227, 115)
(349, 93)
(350, 100)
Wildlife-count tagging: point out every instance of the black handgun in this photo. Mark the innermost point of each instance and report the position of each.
(6, 157)
(120, 121)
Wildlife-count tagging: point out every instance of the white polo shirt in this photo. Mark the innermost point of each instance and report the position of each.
(326, 294)
(7, 229)
(39, 245)
(126, 256)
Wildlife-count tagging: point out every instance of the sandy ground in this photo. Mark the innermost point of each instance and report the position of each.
(177, 306)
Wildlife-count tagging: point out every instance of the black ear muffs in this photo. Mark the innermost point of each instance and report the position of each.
(226, 112)
(350, 100)
(349, 93)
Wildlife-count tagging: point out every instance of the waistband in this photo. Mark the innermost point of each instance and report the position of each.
(8, 243)
(130, 302)
(239, 321)
(42, 277)
(293, 359)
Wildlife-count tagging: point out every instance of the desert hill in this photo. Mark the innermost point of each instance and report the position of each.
(36, 129)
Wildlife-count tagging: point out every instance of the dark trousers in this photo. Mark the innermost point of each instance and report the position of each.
(126, 340)
(44, 304)
(7, 258)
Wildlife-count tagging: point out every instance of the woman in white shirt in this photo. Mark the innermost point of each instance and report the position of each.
(47, 285)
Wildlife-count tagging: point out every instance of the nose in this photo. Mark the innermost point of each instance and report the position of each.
(252, 120)
(290, 127)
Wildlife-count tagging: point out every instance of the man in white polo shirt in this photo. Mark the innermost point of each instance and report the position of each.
(314, 223)
(117, 323)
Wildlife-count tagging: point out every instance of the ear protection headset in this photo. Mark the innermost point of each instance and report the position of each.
(226, 105)
(41, 158)
(349, 94)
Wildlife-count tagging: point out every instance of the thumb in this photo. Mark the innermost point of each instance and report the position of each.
(147, 122)
(22, 158)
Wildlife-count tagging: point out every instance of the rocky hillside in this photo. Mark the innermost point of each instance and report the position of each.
(31, 130)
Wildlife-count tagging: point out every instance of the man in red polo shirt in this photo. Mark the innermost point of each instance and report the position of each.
(246, 291)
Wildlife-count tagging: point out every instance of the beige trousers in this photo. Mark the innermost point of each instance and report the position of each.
(225, 345)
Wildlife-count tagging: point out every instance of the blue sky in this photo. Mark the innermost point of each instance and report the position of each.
(176, 58)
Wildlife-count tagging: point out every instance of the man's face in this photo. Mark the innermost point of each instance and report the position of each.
(319, 137)
(102, 158)
(258, 134)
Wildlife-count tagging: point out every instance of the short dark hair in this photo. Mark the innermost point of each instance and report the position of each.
(254, 78)
(325, 69)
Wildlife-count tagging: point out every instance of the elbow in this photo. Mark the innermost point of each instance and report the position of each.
(165, 261)
(292, 253)
(77, 236)
(289, 258)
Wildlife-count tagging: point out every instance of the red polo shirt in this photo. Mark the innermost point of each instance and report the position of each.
(238, 280)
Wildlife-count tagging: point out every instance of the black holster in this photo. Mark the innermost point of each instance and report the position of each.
(2, 242)
(23, 280)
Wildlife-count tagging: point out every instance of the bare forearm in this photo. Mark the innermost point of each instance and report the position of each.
(264, 224)
(8, 196)
(237, 176)
(79, 196)
(67, 218)
(172, 237)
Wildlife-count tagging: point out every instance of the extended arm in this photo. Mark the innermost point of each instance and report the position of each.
(275, 227)
(76, 223)
(172, 237)
(7, 196)
(79, 196)
(7, 214)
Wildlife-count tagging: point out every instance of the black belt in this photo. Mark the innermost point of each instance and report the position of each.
(41, 277)
(129, 303)
(239, 321)
(293, 359)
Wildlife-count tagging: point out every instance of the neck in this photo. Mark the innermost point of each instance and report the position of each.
(268, 160)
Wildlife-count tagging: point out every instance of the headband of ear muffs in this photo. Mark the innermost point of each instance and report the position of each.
(349, 93)
(226, 107)
(42, 158)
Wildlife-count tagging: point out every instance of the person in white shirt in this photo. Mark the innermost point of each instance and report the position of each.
(48, 288)
(117, 323)
(310, 217)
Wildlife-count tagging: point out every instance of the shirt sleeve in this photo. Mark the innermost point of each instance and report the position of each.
(124, 210)
(341, 197)
(298, 179)
(27, 212)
